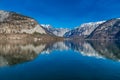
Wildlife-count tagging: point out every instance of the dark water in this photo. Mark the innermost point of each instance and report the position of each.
(68, 60)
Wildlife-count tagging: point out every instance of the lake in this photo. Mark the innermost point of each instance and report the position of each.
(64, 60)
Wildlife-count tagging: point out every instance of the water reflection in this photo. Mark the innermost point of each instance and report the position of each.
(98, 49)
(15, 52)
(55, 46)
(108, 49)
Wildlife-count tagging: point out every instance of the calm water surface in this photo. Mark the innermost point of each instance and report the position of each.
(68, 60)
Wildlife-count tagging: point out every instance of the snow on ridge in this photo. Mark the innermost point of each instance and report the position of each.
(84, 29)
(91, 23)
(3, 15)
(56, 31)
(89, 27)
(46, 25)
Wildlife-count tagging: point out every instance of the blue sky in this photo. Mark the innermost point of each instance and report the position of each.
(64, 13)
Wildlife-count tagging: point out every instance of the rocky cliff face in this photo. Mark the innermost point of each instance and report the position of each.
(11, 22)
(83, 31)
(108, 30)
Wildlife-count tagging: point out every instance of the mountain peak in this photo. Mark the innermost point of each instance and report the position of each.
(21, 26)
(83, 30)
(55, 31)
(46, 25)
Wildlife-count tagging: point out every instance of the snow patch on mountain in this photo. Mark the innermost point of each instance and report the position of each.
(87, 28)
(84, 29)
(56, 31)
(3, 15)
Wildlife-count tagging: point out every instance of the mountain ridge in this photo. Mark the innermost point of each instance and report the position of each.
(20, 27)
(55, 31)
(108, 30)
(12, 23)
(83, 30)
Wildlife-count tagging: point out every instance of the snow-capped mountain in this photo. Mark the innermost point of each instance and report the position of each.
(108, 30)
(55, 31)
(83, 30)
(3, 15)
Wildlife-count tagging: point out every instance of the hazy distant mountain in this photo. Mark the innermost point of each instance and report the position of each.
(83, 30)
(55, 31)
(108, 30)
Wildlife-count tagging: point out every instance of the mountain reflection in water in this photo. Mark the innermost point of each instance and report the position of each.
(16, 52)
(98, 49)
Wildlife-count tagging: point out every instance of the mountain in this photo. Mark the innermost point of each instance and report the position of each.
(11, 22)
(16, 26)
(108, 30)
(55, 31)
(83, 30)
(102, 30)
